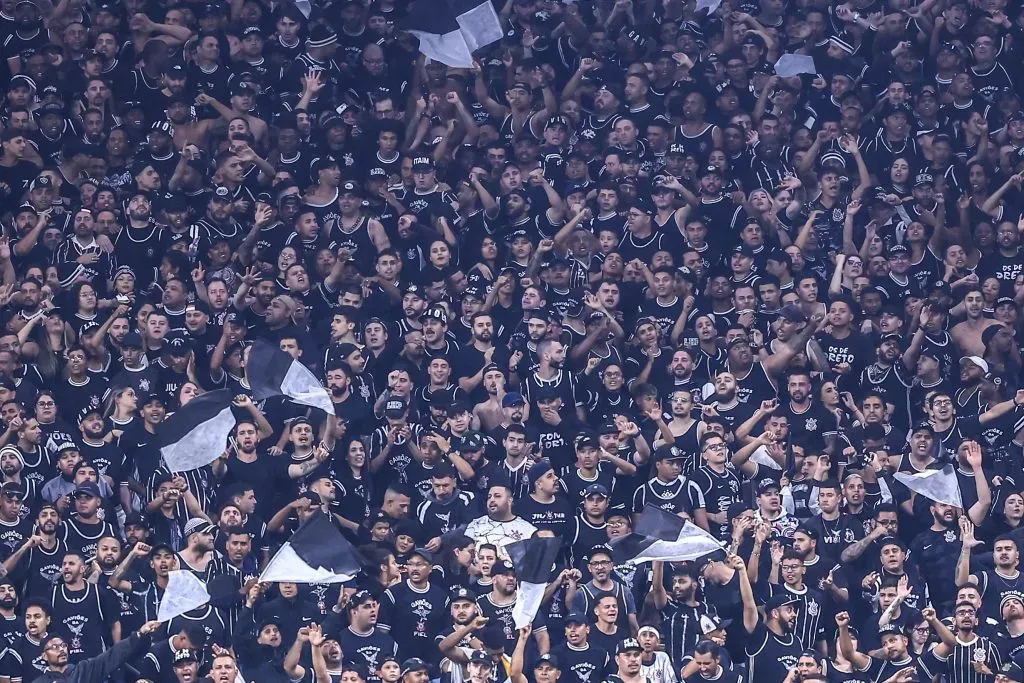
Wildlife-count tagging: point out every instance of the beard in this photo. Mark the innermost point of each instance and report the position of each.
(9, 603)
(338, 391)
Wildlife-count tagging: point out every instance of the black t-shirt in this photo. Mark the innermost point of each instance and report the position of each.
(555, 515)
(412, 616)
(581, 665)
(372, 647)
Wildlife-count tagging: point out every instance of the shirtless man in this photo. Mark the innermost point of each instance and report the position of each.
(488, 414)
(967, 334)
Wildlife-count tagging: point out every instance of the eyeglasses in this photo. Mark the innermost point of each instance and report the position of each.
(922, 629)
(57, 646)
(600, 563)
(46, 404)
(715, 447)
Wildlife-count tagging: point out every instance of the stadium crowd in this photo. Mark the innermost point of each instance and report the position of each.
(631, 257)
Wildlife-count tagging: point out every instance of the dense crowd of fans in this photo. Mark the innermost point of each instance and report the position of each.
(619, 262)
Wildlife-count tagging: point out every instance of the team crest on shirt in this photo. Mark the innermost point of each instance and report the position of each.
(813, 608)
(837, 214)
(812, 424)
(949, 536)
(144, 385)
(848, 536)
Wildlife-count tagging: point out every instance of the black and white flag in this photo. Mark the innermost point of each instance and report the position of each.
(660, 535)
(450, 31)
(316, 553)
(196, 434)
(272, 372)
(939, 485)
(534, 560)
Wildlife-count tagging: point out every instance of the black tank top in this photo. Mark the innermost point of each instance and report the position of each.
(700, 144)
(357, 241)
(756, 386)
(328, 214)
(508, 132)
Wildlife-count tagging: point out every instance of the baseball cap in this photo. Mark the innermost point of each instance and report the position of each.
(546, 659)
(792, 313)
(595, 490)
(87, 488)
(395, 407)
(197, 525)
(11, 489)
(457, 408)
(539, 469)
(503, 567)
(556, 120)
(628, 645)
(436, 313)
(359, 597)
(183, 656)
(976, 360)
(512, 398)
(414, 664)
(177, 345)
(462, 593)
(667, 452)
(778, 600)
(1012, 671)
(424, 553)
(472, 441)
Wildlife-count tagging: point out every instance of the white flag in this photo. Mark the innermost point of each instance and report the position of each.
(184, 592)
(794, 65)
(941, 486)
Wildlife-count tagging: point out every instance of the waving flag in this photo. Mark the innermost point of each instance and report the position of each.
(450, 31)
(660, 535)
(184, 593)
(941, 486)
(534, 560)
(316, 553)
(272, 372)
(196, 434)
